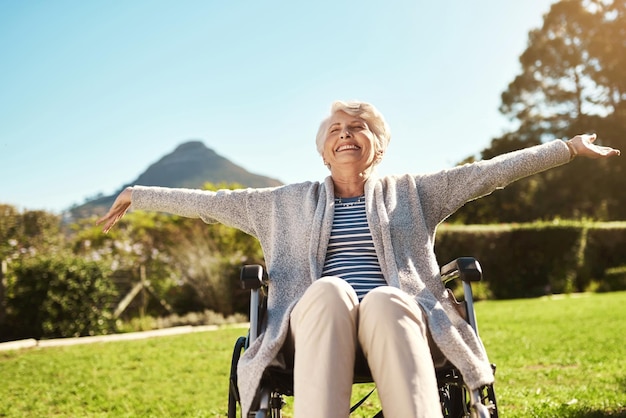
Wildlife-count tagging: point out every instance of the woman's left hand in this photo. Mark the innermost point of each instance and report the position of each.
(585, 147)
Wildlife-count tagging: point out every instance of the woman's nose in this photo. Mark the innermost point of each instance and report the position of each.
(345, 134)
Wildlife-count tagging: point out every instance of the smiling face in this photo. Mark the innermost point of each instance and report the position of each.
(349, 143)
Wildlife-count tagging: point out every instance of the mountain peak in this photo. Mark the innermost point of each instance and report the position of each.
(192, 145)
(190, 165)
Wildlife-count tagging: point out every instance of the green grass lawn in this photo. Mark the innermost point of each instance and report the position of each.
(556, 357)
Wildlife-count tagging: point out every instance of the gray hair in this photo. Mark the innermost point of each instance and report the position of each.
(374, 119)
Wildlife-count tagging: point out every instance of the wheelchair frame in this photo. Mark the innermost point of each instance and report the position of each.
(456, 399)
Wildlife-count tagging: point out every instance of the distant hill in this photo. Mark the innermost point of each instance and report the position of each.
(190, 165)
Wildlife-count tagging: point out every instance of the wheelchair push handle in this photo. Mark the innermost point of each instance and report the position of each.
(468, 269)
(252, 277)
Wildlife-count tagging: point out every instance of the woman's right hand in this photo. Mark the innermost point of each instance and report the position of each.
(117, 211)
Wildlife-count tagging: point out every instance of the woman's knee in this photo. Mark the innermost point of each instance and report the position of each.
(330, 289)
(329, 298)
(389, 303)
(384, 296)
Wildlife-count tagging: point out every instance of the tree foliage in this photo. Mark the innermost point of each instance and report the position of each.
(58, 296)
(572, 80)
(139, 241)
(27, 233)
(178, 254)
(56, 284)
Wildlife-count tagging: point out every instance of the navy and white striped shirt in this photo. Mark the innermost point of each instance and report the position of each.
(350, 254)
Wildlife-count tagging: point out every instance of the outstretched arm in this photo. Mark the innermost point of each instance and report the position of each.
(448, 190)
(584, 146)
(229, 207)
(117, 210)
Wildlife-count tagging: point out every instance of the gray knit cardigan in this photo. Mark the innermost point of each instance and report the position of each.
(293, 224)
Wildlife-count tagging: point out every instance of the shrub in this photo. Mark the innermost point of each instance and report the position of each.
(529, 260)
(206, 317)
(58, 296)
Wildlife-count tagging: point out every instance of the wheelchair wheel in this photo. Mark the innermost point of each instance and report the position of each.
(233, 391)
(455, 401)
(451, 398)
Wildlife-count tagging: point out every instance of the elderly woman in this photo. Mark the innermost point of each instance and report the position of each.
(352, 265)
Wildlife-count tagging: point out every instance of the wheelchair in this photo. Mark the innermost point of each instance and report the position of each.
(456, 399)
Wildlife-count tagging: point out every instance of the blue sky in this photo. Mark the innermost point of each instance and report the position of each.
(93, 92)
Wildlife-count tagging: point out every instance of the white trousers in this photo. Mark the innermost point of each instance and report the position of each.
(327, 325)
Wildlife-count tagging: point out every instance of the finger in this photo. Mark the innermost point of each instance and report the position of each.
(602, 152)
(110, 224)
(611, 151)
(108, 221)
(105, 218)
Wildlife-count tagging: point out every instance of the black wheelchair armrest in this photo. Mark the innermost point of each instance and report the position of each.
(466, 268)
(252, 276)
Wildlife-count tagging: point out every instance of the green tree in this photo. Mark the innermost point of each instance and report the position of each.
(209, 258)
(22, 235)
(28, 233)
(140, 241)
(572, 81)
(178, 254)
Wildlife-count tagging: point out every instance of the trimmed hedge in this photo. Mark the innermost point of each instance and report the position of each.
(528, 260)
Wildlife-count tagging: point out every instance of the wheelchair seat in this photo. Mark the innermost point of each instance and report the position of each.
(456, 399)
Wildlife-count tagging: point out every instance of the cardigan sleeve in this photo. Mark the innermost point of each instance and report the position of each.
(229, 207)
(448, 190)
